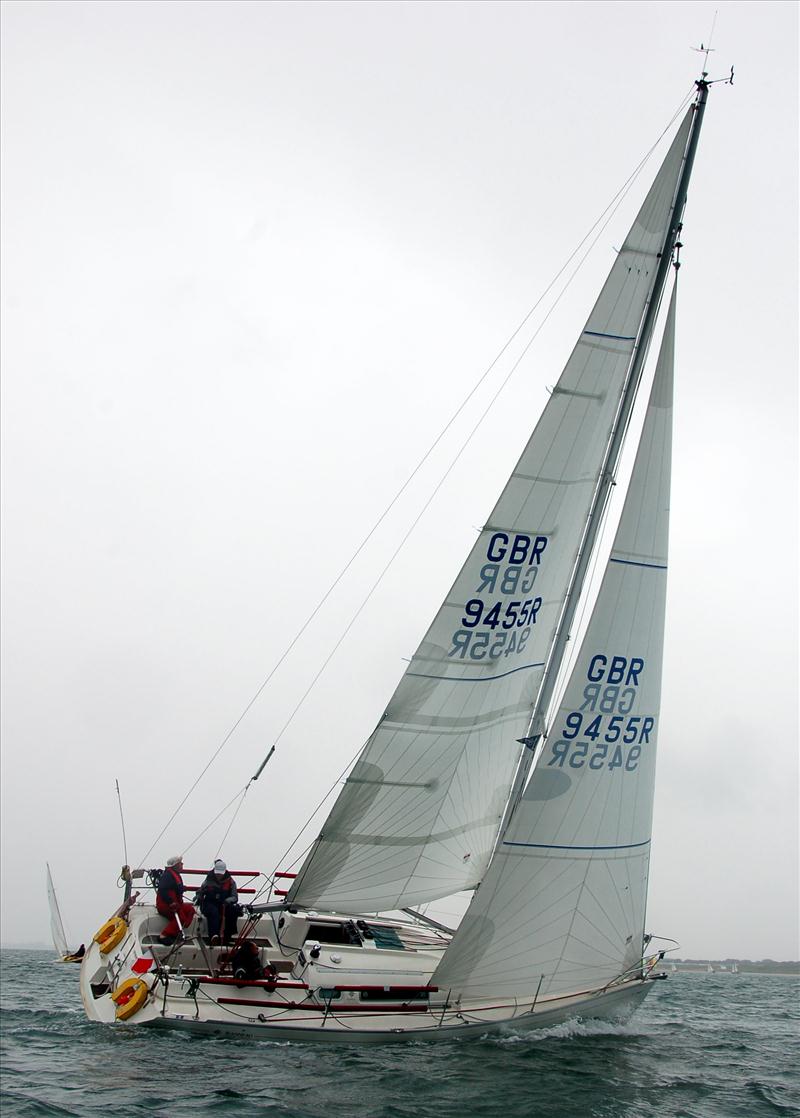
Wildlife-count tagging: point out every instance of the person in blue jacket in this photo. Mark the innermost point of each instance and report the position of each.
(218, 898)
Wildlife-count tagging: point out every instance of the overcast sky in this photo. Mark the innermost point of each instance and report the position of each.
(254, 257)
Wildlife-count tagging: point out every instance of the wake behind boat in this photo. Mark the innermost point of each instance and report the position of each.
(488, 772)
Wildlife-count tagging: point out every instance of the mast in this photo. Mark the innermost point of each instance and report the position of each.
(537, 727)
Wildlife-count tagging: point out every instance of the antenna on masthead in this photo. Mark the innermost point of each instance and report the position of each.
(707, 50)
(702, 49)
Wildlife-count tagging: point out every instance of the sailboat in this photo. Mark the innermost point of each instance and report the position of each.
(60, 942)
(506, 763)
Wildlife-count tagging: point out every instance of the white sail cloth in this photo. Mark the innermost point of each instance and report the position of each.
(56, 923)
(418, 817)
(562, 907)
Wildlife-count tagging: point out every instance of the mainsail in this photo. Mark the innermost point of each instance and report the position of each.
(56, 923)
(561, 909)
(419, 814)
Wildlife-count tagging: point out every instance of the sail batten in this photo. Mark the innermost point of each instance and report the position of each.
(453, 739)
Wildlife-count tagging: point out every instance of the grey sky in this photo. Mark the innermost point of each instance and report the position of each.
(254, 255)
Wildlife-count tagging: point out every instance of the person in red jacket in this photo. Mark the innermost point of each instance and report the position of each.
(170, 902)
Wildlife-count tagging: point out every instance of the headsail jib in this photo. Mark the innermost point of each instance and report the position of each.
(569, 878)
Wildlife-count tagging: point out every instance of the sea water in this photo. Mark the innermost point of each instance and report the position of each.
(701, 1046)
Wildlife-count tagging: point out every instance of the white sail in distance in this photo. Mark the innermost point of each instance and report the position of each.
(562, 907)
(418, 816)
(56, 923)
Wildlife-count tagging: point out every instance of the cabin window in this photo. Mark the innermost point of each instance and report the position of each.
(333, 933)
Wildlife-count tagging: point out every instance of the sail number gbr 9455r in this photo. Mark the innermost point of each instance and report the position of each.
(498, 620)
(603, 733)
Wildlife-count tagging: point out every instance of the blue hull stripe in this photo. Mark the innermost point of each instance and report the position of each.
(544, 846)
(474, 679)
(633, 563)
(615, 337)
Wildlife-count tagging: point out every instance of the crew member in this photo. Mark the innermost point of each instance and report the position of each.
(218, 899)
(170, 902)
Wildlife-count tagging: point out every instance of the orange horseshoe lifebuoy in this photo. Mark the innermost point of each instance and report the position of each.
(129, 997)
(111, 933)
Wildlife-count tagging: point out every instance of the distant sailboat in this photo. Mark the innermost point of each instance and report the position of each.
(442, 798)
(57, 926)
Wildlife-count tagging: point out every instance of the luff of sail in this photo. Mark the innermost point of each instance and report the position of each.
(418, 816)
(56, 923)
(562, 907)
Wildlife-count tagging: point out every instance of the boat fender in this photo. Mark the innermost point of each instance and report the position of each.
(111, 933)
(129, 997)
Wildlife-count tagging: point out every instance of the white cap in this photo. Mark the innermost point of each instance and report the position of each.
(220, 867)
(174, 860)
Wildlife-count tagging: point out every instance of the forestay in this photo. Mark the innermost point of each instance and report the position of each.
(418, 816)
(562, 907)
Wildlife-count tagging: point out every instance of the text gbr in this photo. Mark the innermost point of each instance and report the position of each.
(492, 628)
(603, 721)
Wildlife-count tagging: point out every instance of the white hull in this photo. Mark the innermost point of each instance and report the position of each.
(349, 993)
(616, 1005)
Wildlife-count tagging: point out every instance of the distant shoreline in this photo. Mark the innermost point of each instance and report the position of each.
(786, 968)
(733, 974)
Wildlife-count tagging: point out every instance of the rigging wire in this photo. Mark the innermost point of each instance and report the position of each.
(233, 820)
(307, 823)
(122, 821)
(208, 826)
(605, 217)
